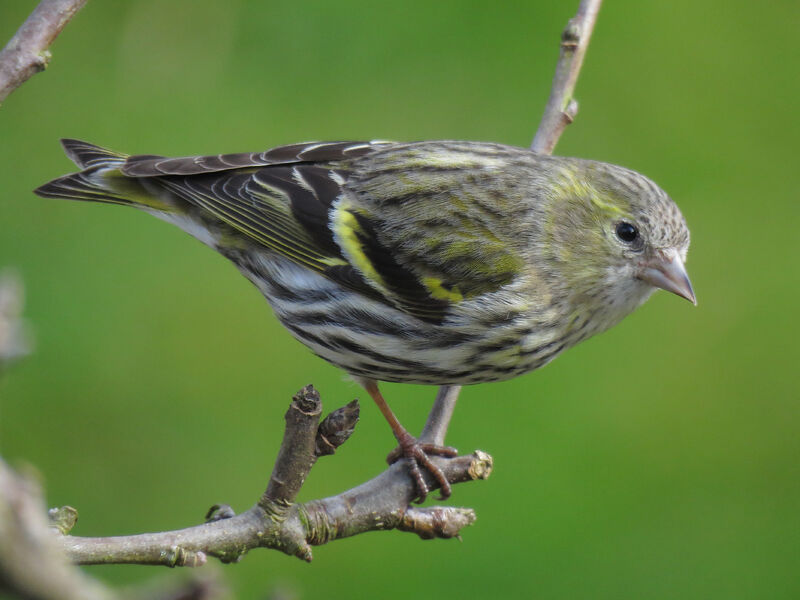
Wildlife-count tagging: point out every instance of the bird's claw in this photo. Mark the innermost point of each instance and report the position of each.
(418, 454)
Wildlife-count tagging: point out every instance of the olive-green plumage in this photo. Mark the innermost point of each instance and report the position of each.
(431, 262)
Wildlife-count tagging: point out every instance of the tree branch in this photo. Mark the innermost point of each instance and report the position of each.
(27, 54)
(31, 563)
(562, 107)
(382, 503)
(297, 453)
(439, 418)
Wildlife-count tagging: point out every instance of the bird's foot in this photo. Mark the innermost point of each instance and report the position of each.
(418, 455)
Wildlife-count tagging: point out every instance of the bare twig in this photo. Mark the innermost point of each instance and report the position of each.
(304, 441)
(440, 415)
(27, 54)
(560, 111)
(33, 566)
(31, 563)
(298, 450)
(562, 107)
(436, 521)
(379, 504)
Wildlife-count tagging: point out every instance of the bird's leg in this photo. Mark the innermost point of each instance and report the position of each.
(412, 449)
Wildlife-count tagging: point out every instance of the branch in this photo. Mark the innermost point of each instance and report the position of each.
(297, 453)
(439, 418)
(382, 503)
(560, 111)
(562, 107)
(31, 563)
(27, 54)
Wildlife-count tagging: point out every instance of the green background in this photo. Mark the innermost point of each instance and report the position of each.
(659, 460)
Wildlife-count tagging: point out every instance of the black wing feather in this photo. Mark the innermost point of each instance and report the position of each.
(402, 283)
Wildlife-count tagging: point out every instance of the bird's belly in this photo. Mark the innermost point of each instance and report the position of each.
(372, 340)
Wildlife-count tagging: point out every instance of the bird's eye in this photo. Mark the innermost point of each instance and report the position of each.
(626, 232)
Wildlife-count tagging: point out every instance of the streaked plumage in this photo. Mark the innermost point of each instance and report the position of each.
(431, 262)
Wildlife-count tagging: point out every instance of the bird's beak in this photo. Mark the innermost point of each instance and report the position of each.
(666, 271)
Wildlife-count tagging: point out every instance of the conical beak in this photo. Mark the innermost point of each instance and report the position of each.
(666, 271)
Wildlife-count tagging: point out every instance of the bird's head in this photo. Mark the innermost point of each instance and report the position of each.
(616, 237)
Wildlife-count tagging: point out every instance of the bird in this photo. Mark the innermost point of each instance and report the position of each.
(432, 262)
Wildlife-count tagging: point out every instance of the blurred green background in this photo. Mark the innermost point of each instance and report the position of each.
(659, 460)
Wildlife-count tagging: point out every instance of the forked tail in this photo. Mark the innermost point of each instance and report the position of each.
(100, 180)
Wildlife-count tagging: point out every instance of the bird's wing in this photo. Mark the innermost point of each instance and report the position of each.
(432, 224)
(311, 152)
(284, 208)
(420, 243)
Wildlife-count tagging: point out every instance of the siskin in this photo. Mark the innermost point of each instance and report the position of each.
(441, 263)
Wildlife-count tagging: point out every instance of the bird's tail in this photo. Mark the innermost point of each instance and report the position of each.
(101, 179)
